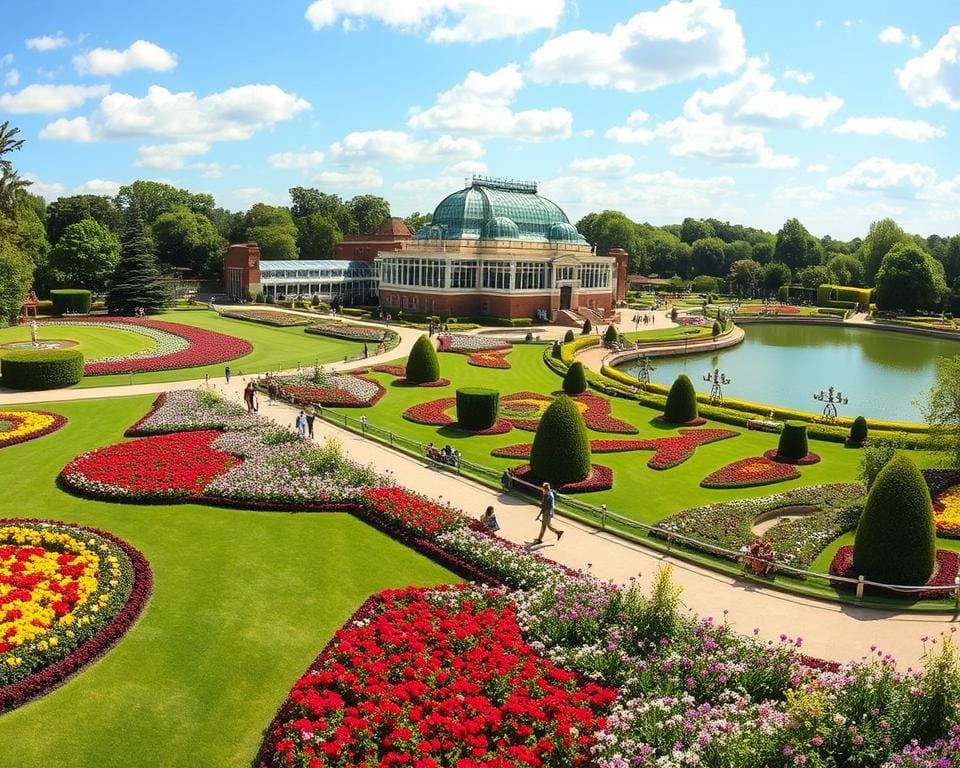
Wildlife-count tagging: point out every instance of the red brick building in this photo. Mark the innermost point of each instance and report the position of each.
(241, 268)
(389, 236)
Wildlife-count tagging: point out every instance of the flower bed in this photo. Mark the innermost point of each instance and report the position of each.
(415, 513)
(810, 458)
(746, 473)
(945, 570)
(468, 342)
(267, 317)
(600, 479)
(184, 410)
(351, 332)
(177, 346)
(699, 421)
(20, 426)
(393, 370)
(488, 360)
(328, 389)
(946, 511)
(67, 593)
(597, 415)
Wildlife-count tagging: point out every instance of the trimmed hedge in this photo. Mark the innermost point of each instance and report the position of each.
(561, 447)
(896, 539)
(41, 369)
(835, 295)
(611, 335)
(477, 407)
(681, 405)
(568, 337)
(575, 381)
(568, 351)
(717, 328)
(793, 441)
(73, 300)
(858, 431)
(423, 365)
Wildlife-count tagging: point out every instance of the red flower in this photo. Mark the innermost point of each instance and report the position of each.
(758, 470)
(600, 479)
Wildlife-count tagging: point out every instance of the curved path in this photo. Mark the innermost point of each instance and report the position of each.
(828, 630)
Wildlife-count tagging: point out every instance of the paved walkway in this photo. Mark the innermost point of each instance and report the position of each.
(829, 630)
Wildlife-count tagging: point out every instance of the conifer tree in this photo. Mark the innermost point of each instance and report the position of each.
(137, 281)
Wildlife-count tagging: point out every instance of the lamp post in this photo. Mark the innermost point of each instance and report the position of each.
(831, 399)
(644, 366)
(717, 380)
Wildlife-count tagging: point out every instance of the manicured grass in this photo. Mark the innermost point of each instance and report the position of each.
(93, 342)
(273, 349)
(676, 333)
(243, 601)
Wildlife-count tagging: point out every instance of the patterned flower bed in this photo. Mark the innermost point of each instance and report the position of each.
(488, 360)
(699, 421)
(393, 370)
(351, 332)
(468, 342)
(67, 593)
(600, 479)
(328, 389)
(436, 678)
(946, 512)
(833, 510)
(20, 426)
(177, 346)
(945, 571)
(185, 410)
(267, 317)
(746, 473)
(810, 458)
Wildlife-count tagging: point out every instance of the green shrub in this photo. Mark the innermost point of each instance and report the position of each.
(556, 350)
(315, 301)
(73, 300)
(793, 441)
(41, 369)
(717, 328)
(477, 407)
(423, 366)
(569, 351)
(896, 539)
(575, 380)
(568, 337)
(259, 298)
(673, 314)
(681, 405)
(783, 293)
(858, 431)
(561, 447)
(612, 335)
(833, 295)
(587, 327)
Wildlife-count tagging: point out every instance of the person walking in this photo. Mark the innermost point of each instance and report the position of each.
(311, 416)
(547, 508)
(301, 423)
(226, 373)
(248, 396)
(364, 351)
(363, 424)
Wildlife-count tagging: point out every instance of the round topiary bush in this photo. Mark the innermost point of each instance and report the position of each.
(896, 538)
(556, 352)
(423, 366)
(717, 328)
(575, 379)
(561, 447)
(587, 327)
(793, 441)
(858, 431)
(477, 407)
(681, 405)
(568, 337)
(74, 301)
(612, 335)
(41, 369)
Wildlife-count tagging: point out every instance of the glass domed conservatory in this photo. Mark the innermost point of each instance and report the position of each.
(497, 248)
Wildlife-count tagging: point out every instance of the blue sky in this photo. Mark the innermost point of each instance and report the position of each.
(837, 113)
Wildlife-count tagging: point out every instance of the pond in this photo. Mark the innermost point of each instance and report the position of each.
(881, 372)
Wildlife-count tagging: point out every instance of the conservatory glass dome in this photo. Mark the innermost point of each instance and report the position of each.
(494, 209)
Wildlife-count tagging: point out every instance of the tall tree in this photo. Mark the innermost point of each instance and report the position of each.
(16, 274)
(908, 280)
(708, 256)
(86, 256)
(155, 197)
(775, 274)
(137, 281)
(763, 250)
(369, 211)
(274, 231)
(813, 277)
(736, 250)
(942, 408)
(883, 236)
(416, 220)
(796, 247)
(846, 269)
(317, 236)
(745, 277)
(692, 230)
(613, 229)
(951, 259)
(64, 211)
(187, 239)
(10, 182)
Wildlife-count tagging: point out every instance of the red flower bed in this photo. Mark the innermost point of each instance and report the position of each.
(944, 572)
(488, 360)
(333, 397)
(597, 416)
(393, 370)
(413, 512)
(432, 413)
(519, 451)
(206, 347)
(757, 470)
(697, 422)
(27, 425)
(600, 479)
(173, 466)
(409, 682)
(810, 458)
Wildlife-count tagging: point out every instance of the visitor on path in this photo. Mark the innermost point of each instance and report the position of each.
(248, 396)
(226, 373)
(254, 400)
(363, 423)
(489, 520)
(301, 423)
(311, 417)
(547, 507)
(364, 351)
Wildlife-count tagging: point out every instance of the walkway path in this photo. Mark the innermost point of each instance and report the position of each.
(828, 630)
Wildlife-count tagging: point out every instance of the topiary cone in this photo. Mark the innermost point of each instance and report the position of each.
(896, 538)
(423, 366)
(575, 380)
(612, 335)
(793, 441)
(681, 405)
(568, 337)
(858, 431)
(561, 447)
(587, 327)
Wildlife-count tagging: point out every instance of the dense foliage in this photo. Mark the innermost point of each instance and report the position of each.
(681, 405)
(423, 365)
(71, 301)
(477, 407)
(793, 441)
(137, 282)
(575, 379)
(41, 369)
(561, 447)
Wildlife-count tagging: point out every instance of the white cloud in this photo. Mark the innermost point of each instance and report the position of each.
(403, 147)
(76, 130)
(448, 21)
(466, 168)
(611, 166)
(247, 196)
(804, 196)
(934, 77)
(141, 54)
(170, 155)
(818, 168)
(50, 99)
(295, 160)
(363, 178)
(12, 77)
(49, 191)
(909, 130)
(797, 76)
(677, 42)
(896, 36)
(98, 187)
(46, 42)
(881, 174)
(210, 170)
(480, 105)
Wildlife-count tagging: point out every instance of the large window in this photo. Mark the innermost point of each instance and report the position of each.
(496, 274)
(530, 275)
(594, 275)
(564, 273)
(463, 274)
(415, 273)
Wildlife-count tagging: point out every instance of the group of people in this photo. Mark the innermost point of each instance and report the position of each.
(548, 503)
(446, 455)
(304, 422)
(643, 317)
(437, 328)
(250, 398)
(139, 312)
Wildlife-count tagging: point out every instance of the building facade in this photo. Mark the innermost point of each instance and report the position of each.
(352, 282)
(389, 236)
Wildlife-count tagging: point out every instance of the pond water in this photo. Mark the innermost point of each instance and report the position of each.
(881, 372)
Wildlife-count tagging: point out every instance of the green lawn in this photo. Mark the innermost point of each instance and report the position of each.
(675, 333)
(273, 349)
(243, 601)
(93, 342)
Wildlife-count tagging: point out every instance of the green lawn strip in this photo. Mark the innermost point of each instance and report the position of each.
(93, 342)
(678, 333)
(273, 349)
(243, 601)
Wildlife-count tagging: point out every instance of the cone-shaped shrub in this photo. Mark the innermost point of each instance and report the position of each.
(561, 448)
(568, 337)
(575, 380)
(896, 538)
(858, 431)
(137, 281)
(477, 407)
(423, 366)
(681, 404)
(556, 349)
(612, 335)
(587, 327)
(717, 328)
(793, 441)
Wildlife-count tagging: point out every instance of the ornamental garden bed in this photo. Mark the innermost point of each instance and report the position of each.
(356, 333)
(267, 317)
(750, 472)
(21, 426)
(67, 594)
(325, 388)
(945, 570)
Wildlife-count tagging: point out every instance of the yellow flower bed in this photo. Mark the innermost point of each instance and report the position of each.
(26, 425)
(946, 512)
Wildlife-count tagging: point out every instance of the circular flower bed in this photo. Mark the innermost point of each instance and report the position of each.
(268, 317)
(944, 572)
(810, 458)
(745, 473)
(67, 593)
(328, 389)
(20, 426)
(946, 512)
(599, 479)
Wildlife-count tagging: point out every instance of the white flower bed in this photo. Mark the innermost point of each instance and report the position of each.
(164, 343)
(464, 342)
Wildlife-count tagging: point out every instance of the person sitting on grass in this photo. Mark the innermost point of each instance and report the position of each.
(489, 520)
